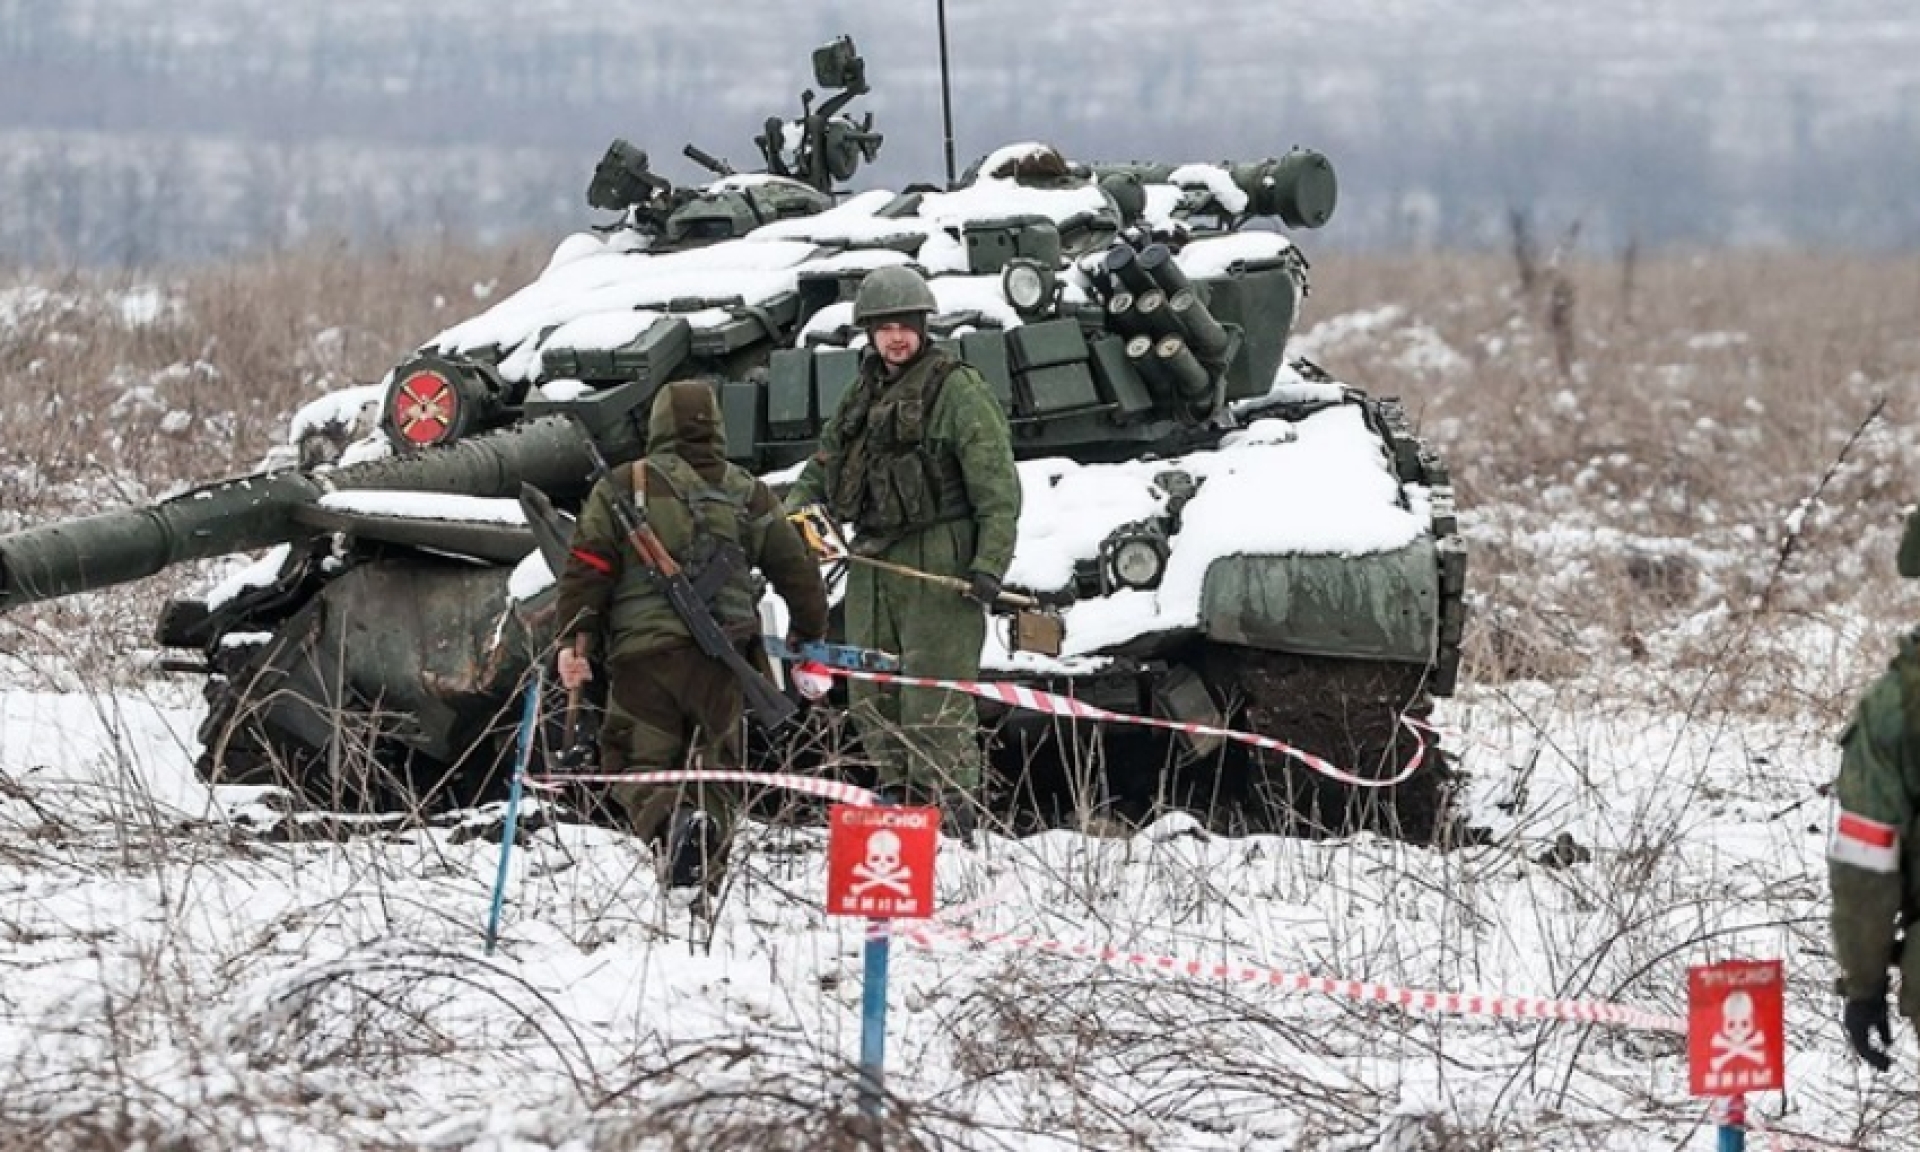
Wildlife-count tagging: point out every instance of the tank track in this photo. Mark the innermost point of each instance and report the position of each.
(1344, 711)
(1348, 713)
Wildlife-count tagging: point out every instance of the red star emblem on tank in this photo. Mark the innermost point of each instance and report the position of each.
(423, 408)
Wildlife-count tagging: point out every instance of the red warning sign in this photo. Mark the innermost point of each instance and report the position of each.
(1736, 1024)
(880, 860)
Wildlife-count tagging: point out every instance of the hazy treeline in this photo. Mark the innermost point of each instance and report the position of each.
(132, 131)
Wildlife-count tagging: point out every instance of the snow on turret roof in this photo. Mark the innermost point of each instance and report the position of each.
(1215, 180)
(601, 292)
(856, 221)
(1214, 255)
(741, 181)
(611, 281)
(990, 198)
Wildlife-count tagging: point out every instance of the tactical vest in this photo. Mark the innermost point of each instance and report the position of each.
(889, 482)
(696, 521)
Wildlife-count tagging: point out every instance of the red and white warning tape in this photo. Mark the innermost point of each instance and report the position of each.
(926, 933)
(1053, 704)
(812, 785)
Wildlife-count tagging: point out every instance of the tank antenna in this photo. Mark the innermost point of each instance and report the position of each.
(946, 91)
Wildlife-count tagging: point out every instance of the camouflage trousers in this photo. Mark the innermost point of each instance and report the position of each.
(925, 739)
(662, 706)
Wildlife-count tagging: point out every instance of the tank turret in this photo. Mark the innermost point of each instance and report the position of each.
(1236, 537)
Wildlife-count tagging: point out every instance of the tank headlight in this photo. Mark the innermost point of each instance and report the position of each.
(1027, 285)
(1135, 557)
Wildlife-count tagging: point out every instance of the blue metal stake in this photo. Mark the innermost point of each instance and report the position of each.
(873, 1019)
(523, 755)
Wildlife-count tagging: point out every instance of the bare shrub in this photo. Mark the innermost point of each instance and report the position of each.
(121, 388)
(739, 1094)
(378, 1011)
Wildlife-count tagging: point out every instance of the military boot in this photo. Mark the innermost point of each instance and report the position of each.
(695, 857)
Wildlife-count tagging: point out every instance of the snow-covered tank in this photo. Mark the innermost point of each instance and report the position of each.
(1232, 538)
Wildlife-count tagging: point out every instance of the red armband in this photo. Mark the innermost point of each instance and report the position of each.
(593, 560)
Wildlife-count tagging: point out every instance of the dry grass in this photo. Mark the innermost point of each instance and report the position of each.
(119, 389)
(1630, 437)
(1631, 441)
(94, 406)
(1641, 502)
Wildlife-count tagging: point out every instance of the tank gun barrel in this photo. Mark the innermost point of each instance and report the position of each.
(251, 512)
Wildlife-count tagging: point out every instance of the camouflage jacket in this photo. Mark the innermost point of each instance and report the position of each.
(1873, 863)
(901, 456)
(695, 501)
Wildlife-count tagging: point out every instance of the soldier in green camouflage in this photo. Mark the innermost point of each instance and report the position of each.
(666, 695)
(919, 459)
(1873, 862)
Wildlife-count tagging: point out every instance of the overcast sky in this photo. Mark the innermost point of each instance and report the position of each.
(135, 128)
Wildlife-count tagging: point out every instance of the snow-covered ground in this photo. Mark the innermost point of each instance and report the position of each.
(181, 973)
(176, 976)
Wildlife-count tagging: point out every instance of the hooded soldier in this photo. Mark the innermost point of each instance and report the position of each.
(1873, 860)
(919, 460)
(666, 696)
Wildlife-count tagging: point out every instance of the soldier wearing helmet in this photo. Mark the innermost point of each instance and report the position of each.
(1873, 861)
(919, 459)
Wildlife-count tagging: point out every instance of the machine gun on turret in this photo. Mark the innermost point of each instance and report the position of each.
(822, 147)
(808, 156)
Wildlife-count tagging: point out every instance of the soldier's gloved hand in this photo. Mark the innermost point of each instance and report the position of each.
(574, 668)
(983, 589)
(1865, 1017)
(818, 531)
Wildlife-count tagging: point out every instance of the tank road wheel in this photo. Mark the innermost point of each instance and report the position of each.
(1346, 712)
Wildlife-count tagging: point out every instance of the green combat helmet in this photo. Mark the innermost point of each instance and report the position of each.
(1909, 558)
(891, 291)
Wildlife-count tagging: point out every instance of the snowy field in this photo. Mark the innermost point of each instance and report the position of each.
(1681, 578)
(178, 978)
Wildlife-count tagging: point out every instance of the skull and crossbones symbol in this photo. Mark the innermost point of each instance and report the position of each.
(1739, 1038)
(882, 867)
